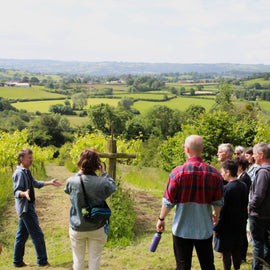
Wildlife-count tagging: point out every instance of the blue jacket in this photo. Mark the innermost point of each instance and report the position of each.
(97, 190)
(20, 184)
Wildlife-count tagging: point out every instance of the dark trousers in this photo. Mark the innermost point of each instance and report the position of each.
(183, 249)
(236, 258)
(244, 245)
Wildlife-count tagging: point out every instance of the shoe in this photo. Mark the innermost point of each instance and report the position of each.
(44, 265)
(22, 264)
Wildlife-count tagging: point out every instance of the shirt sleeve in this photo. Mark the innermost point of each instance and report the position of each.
(19, 184)
(171, 189)
(261, 188)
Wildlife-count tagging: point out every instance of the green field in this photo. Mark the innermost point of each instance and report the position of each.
(179, 103)
(43, 106)
(34, 92)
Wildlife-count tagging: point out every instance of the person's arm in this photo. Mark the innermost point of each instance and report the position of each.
(53, 182)
(161, 221)
(216, 213)
(261, 188)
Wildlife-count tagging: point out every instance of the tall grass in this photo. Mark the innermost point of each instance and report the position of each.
(6, 190)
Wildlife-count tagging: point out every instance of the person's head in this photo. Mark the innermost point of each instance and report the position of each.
(261, 153)
(249, 155)
(25, 158)
(239, 151)
(193, 146)
(225, 151)
(89, 162)
(242, 164)
(229, 169)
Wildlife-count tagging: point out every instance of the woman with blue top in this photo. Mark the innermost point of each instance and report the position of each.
(253, 167)
(82, 232)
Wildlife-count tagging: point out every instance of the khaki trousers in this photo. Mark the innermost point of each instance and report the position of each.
(95, 240)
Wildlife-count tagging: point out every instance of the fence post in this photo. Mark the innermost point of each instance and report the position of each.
(111, 162)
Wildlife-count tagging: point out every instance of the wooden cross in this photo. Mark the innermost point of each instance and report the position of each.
(112, 155)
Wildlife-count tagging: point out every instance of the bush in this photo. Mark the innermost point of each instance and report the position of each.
(123, 217)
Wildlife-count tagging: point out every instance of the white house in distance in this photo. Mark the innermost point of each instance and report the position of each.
(15, 83)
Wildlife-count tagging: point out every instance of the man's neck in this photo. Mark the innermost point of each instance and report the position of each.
(264, 162)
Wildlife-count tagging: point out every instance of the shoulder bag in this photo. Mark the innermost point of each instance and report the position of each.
(98, 215)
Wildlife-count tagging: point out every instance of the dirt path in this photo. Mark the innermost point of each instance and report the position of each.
(53, 211)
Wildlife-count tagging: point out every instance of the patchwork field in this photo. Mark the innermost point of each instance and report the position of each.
(34, 92)
(179, 103)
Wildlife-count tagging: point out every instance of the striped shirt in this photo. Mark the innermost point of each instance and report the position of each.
(193, 187)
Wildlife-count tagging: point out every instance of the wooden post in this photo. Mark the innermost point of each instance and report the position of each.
(111, 162)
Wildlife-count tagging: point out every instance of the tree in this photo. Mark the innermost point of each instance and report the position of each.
(223, 98)
(47, 131)
(126, 102)
(34, 80)
(193, 112)
(192, 91)
(25, 79)
(79, 100)
(200, 87)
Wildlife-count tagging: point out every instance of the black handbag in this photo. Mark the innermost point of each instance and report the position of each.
(98, 215)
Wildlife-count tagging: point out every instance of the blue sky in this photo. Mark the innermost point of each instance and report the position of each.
(172, 31)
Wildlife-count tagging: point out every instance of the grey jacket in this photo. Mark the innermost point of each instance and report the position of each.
(259, 204)
(97, 189)
(20, 184)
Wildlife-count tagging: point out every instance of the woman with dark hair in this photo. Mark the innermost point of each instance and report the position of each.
(253, 167)
(231, 223)
(242, 175)
(82, 232)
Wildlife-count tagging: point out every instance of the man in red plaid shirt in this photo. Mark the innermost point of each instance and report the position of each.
(193, 188)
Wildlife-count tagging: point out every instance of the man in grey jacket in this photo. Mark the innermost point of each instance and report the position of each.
(24, 193)
(259, 207)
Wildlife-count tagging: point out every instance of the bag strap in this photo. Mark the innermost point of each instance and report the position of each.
(84, 193)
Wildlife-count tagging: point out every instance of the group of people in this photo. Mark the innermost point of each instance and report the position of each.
(81, 232)
(210, 202)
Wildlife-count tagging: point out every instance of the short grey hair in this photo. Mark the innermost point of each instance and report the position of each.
(263, 148)
(240, 148)
(227, 147)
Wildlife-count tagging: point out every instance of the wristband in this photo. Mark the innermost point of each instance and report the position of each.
(161, 219)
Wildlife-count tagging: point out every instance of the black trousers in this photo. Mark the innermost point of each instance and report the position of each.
(183, 249)
(235, 254)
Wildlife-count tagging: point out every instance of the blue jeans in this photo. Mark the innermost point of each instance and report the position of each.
(260, 232)
(28, 224)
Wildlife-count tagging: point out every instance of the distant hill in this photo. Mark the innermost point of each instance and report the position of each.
(118, 68)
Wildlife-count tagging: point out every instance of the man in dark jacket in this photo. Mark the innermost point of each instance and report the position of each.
(259, 207)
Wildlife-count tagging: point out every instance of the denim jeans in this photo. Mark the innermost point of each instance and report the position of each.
(28, 224)
(183, 253)
(260, 232)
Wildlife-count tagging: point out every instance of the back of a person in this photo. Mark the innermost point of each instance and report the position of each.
(198, 184)
(236, 196)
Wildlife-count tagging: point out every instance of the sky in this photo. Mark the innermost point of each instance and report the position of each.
(155, 31)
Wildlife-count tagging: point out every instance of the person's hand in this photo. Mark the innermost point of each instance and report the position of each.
(55, 183)
(101, 169)
(214, 217)
(161, 226)
(26, 194)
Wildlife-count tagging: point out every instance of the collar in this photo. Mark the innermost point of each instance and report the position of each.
(193, 159)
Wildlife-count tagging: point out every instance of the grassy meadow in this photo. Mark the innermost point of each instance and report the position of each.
(180, 103)
(34, 92)
(147, 186)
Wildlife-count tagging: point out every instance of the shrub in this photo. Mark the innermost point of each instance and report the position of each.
(123, 217)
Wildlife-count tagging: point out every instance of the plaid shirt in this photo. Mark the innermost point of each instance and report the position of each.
(195, 181)
(193, 187)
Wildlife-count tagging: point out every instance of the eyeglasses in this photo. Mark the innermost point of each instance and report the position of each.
(237, 154)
